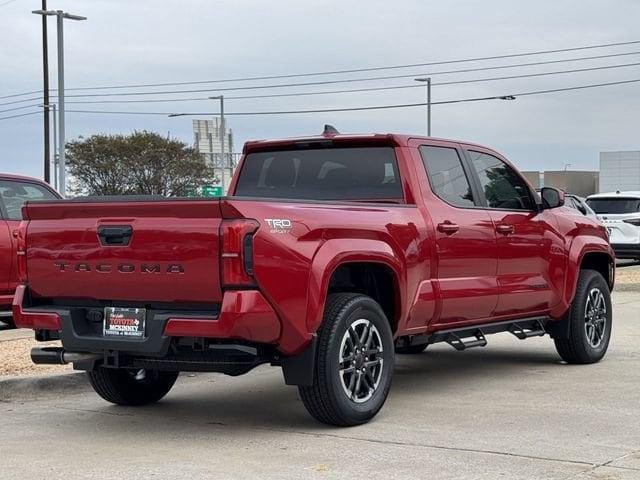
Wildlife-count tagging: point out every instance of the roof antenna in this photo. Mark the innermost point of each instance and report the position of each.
(330, 130)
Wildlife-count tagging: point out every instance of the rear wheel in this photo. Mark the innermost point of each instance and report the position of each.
(131, 387)
(354, 362)
(590, 321)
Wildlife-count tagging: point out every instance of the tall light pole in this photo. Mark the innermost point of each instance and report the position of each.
(60, 16)
(222, 135)
(45, 95)
(427, 80)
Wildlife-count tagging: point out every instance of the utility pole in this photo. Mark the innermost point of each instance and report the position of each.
(427, 80)
(45, 95)
(56, 158)
(60, 16)
(222, 135)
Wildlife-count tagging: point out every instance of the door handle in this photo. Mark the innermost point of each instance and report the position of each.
(448, 227)
(504, 229)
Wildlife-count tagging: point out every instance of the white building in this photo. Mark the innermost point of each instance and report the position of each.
(206, 136)
(207, 141)
(619, 171)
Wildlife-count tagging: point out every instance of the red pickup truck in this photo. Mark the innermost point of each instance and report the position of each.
(330, 255)
(14, 192)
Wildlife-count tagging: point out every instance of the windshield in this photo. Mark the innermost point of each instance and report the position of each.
(322, 174)
(614, 205)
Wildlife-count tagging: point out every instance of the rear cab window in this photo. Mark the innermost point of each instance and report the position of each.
(350, 174)
(447, 176)
(14, 194)
(614, 205)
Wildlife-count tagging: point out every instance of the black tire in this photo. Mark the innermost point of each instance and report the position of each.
(129, 387)
(8, 321)
(328, 400)
(579, 348)
(411, 349)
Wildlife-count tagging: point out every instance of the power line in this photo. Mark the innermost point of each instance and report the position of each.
(19, 108)
(304, 84)
(357, 90)
(466, 70)
(20, 115)
(6, 3)
(375, 107)
(353, 109)
(370, 69)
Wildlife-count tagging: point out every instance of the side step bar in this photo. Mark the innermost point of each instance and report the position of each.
(475, 336)
(6, 314)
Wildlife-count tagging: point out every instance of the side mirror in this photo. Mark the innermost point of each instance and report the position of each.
(552, 197)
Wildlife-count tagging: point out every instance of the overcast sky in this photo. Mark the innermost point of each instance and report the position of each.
(145, 41)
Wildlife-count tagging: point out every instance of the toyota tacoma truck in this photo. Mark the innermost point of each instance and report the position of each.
(329, 255)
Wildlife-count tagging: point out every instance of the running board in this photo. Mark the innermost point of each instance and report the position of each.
(6, 314)
(475, 336)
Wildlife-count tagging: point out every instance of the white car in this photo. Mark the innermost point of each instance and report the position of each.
(620, 212)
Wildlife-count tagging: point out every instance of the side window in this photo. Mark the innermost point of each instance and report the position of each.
(503, 187)
(446, 175)
(15, 194)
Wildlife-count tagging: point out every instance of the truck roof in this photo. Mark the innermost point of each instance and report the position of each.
(11, 176)
(392, 139)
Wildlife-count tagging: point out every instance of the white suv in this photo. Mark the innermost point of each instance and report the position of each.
(620, 212)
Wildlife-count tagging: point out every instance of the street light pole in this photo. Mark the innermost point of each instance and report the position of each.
(60, 16)
(222, 135)
(45, 96)
(56, 159)
(427, 80)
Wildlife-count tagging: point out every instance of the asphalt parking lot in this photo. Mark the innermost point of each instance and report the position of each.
(510, 410)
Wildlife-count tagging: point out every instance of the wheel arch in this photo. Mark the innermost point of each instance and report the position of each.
(367, 267)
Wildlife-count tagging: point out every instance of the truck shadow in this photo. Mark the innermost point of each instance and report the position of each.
(260, 400)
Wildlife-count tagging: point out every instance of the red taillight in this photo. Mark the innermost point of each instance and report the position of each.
(237, 252)
(21, 249)
(633, 221)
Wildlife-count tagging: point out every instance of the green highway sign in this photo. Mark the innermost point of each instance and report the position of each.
(211, 191)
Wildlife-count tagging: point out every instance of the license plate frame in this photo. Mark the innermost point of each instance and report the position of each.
(124, 323)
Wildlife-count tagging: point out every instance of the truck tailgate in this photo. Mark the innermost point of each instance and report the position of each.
(124, 250)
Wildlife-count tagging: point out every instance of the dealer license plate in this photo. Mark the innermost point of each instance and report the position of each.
(124, 322)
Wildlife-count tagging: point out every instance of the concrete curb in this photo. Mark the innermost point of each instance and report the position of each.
(15, 389)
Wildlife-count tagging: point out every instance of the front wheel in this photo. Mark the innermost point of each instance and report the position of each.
(590, 321)
(134, 387)
(354, 362)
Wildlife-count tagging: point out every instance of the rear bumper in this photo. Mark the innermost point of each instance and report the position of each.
(626, 250)
(244, 315)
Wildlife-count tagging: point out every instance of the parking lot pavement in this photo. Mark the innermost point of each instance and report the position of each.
(510, 410)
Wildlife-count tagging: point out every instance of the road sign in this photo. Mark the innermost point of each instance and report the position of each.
(211, 191)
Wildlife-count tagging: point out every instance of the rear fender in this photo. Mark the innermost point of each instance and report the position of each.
(336, 252)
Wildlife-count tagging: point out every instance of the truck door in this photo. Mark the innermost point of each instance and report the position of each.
(530, 250)
(465, 260)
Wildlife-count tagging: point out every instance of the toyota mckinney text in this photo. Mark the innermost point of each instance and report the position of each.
(330, 255)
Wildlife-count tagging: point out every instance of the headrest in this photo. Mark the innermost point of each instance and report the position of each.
(281, 173)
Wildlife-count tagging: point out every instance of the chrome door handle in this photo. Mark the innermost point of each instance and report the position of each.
(505, 229)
